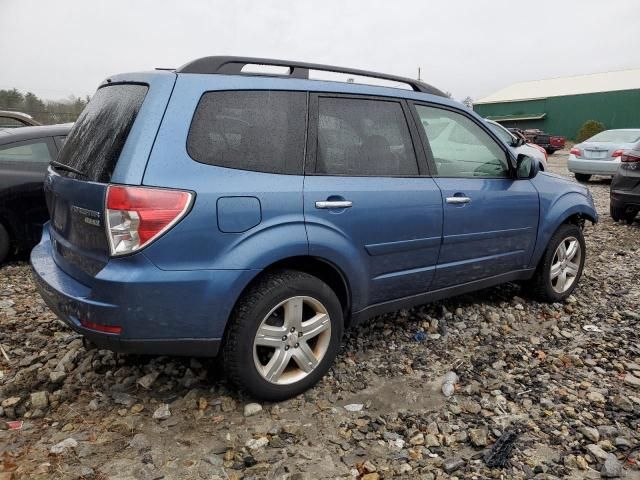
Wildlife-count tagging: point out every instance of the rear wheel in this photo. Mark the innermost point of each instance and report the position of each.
(5, 243)
(284, 335)
(630, 216)
(616, 213)
(582, 177)
(561, 266)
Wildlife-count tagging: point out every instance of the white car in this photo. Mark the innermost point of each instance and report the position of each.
(519, 144)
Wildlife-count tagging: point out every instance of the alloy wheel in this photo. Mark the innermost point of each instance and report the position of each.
(565, 265)
(292, 340)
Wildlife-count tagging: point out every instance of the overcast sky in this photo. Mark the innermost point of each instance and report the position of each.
(468, 47)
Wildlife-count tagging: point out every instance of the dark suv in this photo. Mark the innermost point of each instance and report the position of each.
(209, 208)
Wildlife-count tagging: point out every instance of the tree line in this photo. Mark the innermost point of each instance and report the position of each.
(47, 112)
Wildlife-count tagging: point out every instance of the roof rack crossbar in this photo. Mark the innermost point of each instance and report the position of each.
(233, 66)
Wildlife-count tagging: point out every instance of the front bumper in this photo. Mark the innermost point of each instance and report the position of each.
(160, 312)
(593, 167)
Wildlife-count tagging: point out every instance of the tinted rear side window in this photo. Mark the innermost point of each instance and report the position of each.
(363, 137)
(263, 131)
(94, 144)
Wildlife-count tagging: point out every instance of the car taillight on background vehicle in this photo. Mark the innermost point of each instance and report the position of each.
(630, 158)
(575, 151)
(617, 153)
(544, 152)
(136, 216)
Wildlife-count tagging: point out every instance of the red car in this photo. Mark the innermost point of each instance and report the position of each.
(550, 143)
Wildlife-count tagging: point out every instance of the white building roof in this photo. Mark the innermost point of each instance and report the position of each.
(558, 87)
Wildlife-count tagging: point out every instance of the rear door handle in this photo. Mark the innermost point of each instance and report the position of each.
(458, 200)
(334, 204)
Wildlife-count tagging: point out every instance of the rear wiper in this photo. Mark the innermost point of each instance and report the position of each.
(67, 168)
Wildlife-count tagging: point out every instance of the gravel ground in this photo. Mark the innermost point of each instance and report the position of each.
(537, 389)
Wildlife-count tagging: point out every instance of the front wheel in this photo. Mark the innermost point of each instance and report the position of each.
(284, 335)
(582, 177)
(561, 266)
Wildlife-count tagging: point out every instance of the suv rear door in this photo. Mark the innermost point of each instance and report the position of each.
(369, 203)
(490, 218)
(108, 144)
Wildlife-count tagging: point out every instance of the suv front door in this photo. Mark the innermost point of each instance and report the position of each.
(369, 205)
(490, 218)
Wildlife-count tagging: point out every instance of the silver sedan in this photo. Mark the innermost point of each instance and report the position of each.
(600, 154)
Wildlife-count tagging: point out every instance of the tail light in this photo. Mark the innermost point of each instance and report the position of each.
(575, 151)
(630, 158)
(136, 216)
(541, 149)
(617, 153)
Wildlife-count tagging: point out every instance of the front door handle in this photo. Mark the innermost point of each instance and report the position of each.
(458, 200)
(334, 204)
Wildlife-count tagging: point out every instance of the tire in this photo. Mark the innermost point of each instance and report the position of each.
(582, 177)
(616, 213)
(629, 216)
(5, 243)
(263, 308)
(547, 288)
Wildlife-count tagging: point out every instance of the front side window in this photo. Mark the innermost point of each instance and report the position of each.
(33, 152)
(363, 138)
(262, 131)
(461, 148)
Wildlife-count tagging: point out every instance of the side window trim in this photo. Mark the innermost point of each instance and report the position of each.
(311, 157)
(427, 147)
(48, 141)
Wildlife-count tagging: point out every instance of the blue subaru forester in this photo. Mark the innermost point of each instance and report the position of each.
(210, 209)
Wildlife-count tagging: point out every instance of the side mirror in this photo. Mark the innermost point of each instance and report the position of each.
(519, 141)
(526, 166)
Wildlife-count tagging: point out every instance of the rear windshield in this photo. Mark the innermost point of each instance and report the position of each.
(97, 138)
(616, 136)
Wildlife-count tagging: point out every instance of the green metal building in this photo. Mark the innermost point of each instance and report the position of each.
(560, 106)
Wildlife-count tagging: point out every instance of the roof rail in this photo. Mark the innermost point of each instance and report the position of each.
(227, 65)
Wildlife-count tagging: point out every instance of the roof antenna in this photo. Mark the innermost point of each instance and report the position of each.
(419, 74)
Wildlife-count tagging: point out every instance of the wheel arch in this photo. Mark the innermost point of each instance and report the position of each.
(321, 268)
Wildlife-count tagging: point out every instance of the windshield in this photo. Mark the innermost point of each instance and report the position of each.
(502, 132)
(616, 136)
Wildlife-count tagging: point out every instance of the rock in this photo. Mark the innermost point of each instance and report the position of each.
(148, 380)
(611, 467)
(57, 376)
(622, 403)
(450, 465)
(369, 467)
(632, 380)
(162, 412)
(63, 446)
(597, 452)
(417, 439)
(590, 433)
(251, 409)
(370, 476)
(431, 441)
(607, 431)
(123, 399)
(10, 402)
(596, 397)
(40, 400)
(257, 443)
(478, 437)
(354, 407)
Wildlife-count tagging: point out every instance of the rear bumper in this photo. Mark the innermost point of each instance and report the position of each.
(593, 167)
(624, 199)
(160, 312)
